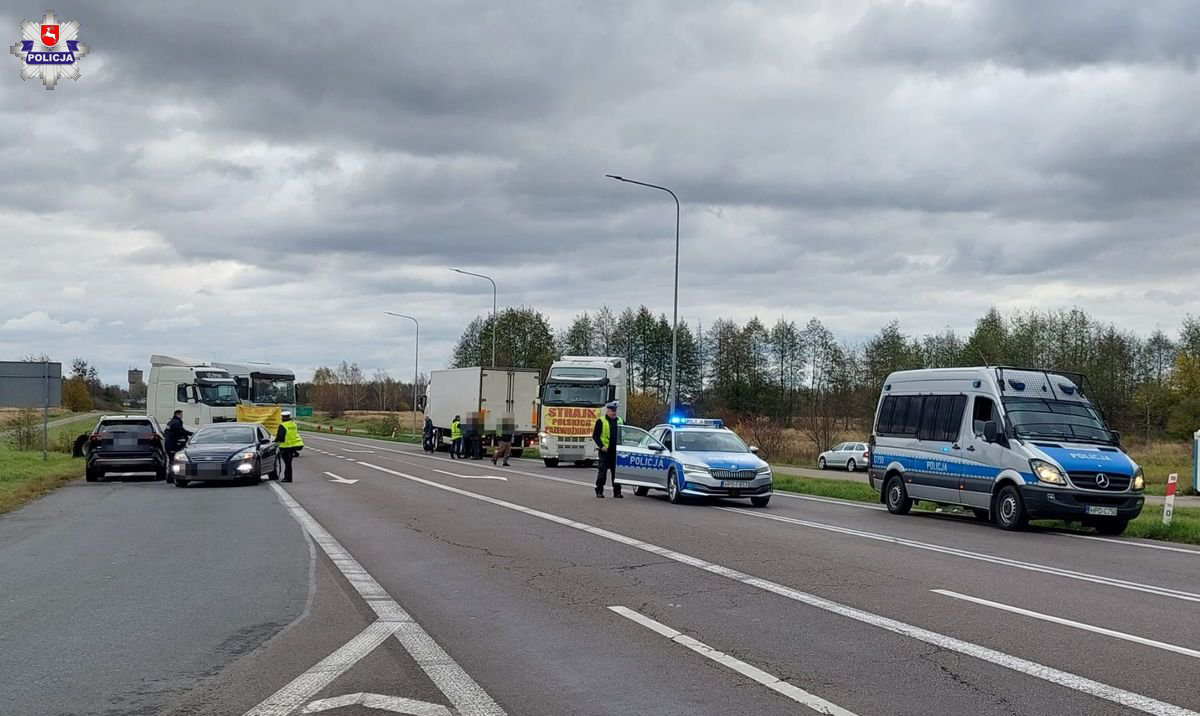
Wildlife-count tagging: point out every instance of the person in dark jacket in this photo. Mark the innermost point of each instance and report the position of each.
(174, 436)
(427, 435)
(606, 434)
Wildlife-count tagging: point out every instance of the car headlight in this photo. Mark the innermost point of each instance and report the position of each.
(247, 455)
(1139, 479)
(177, 468)
(698, 470)
(1048, 472)
(181, 457)
(245, 467)
(764, 470)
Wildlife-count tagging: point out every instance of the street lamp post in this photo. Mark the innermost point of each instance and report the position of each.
(416, 362)
(675, 309)
(494, 326)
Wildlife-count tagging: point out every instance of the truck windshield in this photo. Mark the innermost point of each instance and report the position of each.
(1041, 418)
(217, 393)
(273, 390)
(574, 394)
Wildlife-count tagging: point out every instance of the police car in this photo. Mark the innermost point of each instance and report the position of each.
(692, 457)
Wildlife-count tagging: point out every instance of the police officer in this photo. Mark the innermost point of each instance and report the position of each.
(456, 437)
(606, 433)
(290, 444)
(174, 436)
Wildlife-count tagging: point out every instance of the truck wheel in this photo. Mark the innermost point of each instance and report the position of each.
(1009, 509)
(1111, 527)
(550, 461)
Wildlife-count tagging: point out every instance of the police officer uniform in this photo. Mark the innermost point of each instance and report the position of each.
(290, 443)
(606, 433)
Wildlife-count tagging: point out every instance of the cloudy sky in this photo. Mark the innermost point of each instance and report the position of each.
(262, 180)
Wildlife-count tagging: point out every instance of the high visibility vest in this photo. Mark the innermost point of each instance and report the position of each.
(455, 430)
(605, 437)
(291, 435)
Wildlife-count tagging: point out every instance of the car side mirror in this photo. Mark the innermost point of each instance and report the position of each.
(754, 449)
(1116, 435)
(990, 431)
(658, 448)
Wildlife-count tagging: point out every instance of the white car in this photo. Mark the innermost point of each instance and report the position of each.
(851, 456)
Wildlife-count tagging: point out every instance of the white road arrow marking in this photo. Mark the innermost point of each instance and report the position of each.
(473, 477)
(395, 704)
(340, 480)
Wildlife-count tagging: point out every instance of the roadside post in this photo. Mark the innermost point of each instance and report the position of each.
(1169, 503)
(1196, 463)
(45, 410)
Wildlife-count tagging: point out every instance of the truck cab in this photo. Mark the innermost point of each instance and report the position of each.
(205, 393)
(263, 384)
(575, 392)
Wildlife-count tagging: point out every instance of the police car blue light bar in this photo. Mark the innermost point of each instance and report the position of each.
(706, 422)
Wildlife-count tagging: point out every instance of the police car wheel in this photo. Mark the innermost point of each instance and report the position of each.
(641, 491)
(674, 495)
(1010, 510)
(898, 502)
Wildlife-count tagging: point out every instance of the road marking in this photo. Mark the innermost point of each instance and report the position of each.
(367, 451)
(337, 479)
(1077, 625)
(395, 704)
(1062, 678)
(306, 685)
(467, 697)
(1130, 543)
(772, 682)
(989, 558)
(472, 477)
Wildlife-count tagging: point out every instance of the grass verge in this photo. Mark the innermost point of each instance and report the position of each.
(25, 476)
(841, 489)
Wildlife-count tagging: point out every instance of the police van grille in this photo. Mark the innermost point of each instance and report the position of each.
(1087, 481)
(734, 474)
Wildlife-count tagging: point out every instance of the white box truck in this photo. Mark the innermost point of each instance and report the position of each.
(500, 394)
(575, 393)
(205, 393)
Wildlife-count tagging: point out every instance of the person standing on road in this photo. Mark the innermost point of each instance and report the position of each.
(290, 444)
(606, 433)
(174, 436)
(504, 449)
(456, 438)
(427, 435)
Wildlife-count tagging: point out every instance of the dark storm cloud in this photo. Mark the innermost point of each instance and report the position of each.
(324, 162)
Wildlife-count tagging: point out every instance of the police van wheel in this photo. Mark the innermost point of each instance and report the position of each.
(674, 495)
(1111, 527)
(641, 491)
(898, 501)
(1010, 510)
(550, 461)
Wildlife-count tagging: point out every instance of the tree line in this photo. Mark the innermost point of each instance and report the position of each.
(803, 376)
(347, 387)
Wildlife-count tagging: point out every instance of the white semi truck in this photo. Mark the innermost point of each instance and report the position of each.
(573, 397)
(260, 383)
(205, 393)
(506, 398)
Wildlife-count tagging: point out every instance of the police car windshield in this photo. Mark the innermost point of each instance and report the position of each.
(708, 441)
(574, 394)
(1059, 419)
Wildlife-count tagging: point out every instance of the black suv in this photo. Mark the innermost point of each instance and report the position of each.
(126, 443)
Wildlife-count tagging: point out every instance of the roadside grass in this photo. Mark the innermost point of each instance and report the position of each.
(1159, 459)
(841, 489)
(25, 476)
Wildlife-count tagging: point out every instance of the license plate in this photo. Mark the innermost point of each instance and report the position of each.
(125, 442)
(733, 483)
(1102, 510)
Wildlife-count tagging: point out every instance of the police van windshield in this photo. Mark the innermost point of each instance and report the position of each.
(217, 393)
(708, 441)
(1038, 417)
(575, 394)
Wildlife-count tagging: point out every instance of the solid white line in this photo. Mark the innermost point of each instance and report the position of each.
(468, 697)
(1130, 543)
(1077, 625)
(989, 558)
(772, 682)
(1062, 678)
(472, 477)
(395, 704)
(306, 685)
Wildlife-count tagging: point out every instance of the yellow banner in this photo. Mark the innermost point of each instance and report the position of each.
(269, 417)
(570, 422)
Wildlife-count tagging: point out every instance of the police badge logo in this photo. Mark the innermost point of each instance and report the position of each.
(49, 50)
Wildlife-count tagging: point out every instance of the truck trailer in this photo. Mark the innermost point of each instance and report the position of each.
(505, 399)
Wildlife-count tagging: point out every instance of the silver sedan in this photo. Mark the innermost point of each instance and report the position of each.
(851, 456)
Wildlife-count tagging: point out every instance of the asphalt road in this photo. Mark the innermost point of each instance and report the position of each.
(390, 578)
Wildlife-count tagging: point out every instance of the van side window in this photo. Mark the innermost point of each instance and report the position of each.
(912, 420)
(900, 415)
(984, 410)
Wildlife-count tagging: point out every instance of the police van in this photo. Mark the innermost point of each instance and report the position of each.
(1011, 444)
(696, 457)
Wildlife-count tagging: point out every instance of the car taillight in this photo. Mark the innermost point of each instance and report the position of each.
(867, 453)
(94, 437)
